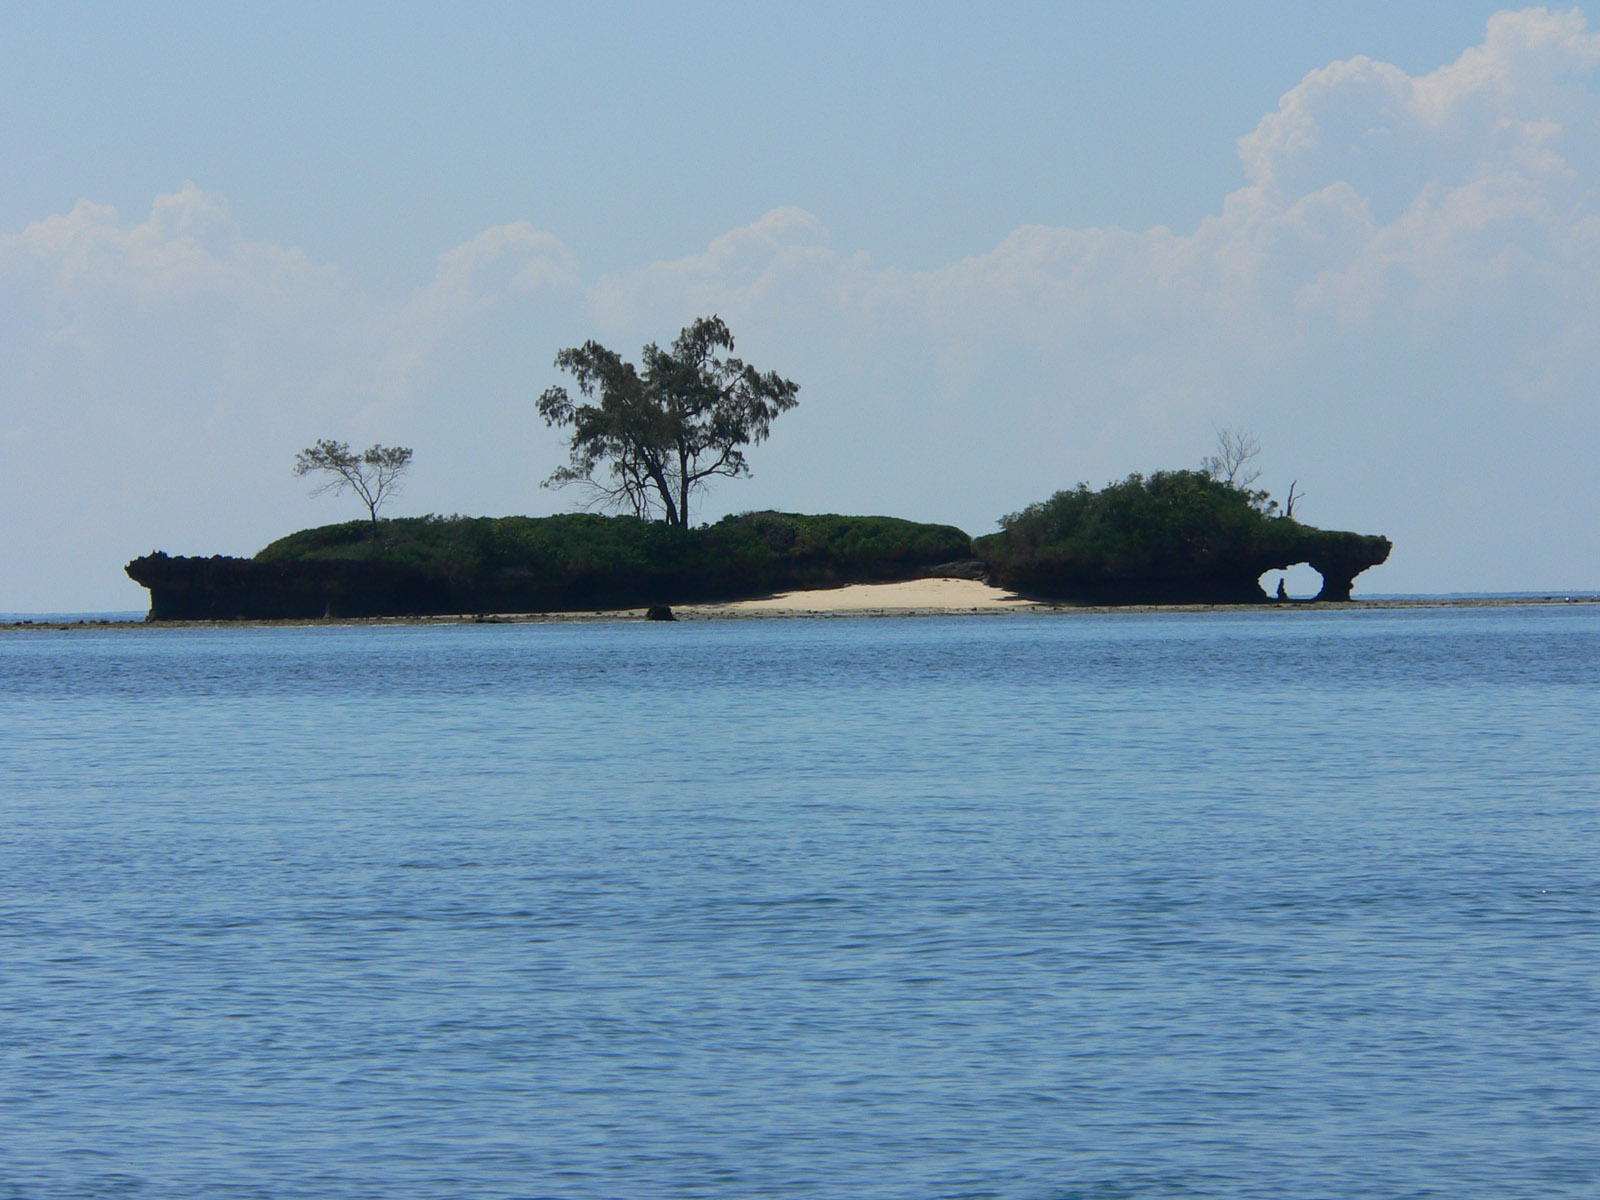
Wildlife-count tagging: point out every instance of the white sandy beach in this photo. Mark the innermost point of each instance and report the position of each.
(916, 595)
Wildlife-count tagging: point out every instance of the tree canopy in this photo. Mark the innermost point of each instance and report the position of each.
(374, 474)
(644, 441)
(1234, 466)
(1167, 521)
(1231, 464)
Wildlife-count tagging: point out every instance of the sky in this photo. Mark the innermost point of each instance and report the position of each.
(1003, 248)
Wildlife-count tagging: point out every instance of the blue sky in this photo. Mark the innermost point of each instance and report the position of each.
(1002, 248)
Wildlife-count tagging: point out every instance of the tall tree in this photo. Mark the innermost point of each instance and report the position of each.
(660, 434)
(374, 474)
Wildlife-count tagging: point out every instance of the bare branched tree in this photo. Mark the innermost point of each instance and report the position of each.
(1288, 505)
(628, 490)
(1230, 464)
(374, 474)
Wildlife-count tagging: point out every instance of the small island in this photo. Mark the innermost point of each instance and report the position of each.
(1172, 538)
(646, 440)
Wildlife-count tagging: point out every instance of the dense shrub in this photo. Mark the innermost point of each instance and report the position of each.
(1170, 518)
(582, 558)
(1170, 537)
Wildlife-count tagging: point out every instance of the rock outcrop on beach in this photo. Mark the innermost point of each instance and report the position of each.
(220, 588)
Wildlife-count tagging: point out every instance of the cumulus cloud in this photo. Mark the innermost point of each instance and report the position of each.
(1455, 178)
(498, 264)
(80, 278)
(158, 374)
(786, 247)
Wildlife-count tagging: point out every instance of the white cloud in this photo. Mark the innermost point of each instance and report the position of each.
(187, 249)
(497, 265)
(157, 376)
(738, 269)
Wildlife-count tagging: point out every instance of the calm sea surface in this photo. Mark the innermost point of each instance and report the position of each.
(1280, 904)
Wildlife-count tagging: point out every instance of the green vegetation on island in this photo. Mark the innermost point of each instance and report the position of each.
(587, 550)
(1174, 537)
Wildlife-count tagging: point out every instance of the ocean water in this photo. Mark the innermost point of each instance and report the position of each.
(1093, 907)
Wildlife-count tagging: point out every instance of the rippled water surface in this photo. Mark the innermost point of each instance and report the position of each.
(1287, 904)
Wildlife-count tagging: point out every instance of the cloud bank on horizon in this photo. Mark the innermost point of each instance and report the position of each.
(1402, 299)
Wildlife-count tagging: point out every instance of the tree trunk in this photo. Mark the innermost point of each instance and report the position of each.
(683, 488)
(666, 498)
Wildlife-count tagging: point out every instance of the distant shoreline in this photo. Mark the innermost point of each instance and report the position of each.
(825, 605)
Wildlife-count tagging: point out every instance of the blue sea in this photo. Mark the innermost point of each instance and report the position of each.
(1086, 907)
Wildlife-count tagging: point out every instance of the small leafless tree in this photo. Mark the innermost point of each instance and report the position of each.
(374, 474)
(1231, 463)
(1288, 505)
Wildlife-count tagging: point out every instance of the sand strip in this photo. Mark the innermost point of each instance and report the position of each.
(917, 595)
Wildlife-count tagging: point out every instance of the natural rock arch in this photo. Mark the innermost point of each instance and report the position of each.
(1302, 581)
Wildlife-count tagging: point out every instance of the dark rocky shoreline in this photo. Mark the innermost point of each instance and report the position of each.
(698, 613)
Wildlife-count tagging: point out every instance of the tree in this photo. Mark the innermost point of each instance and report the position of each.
(1288, 505)
(1231, 466)
(374, 474)
(1235, 449)
(663, 432)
